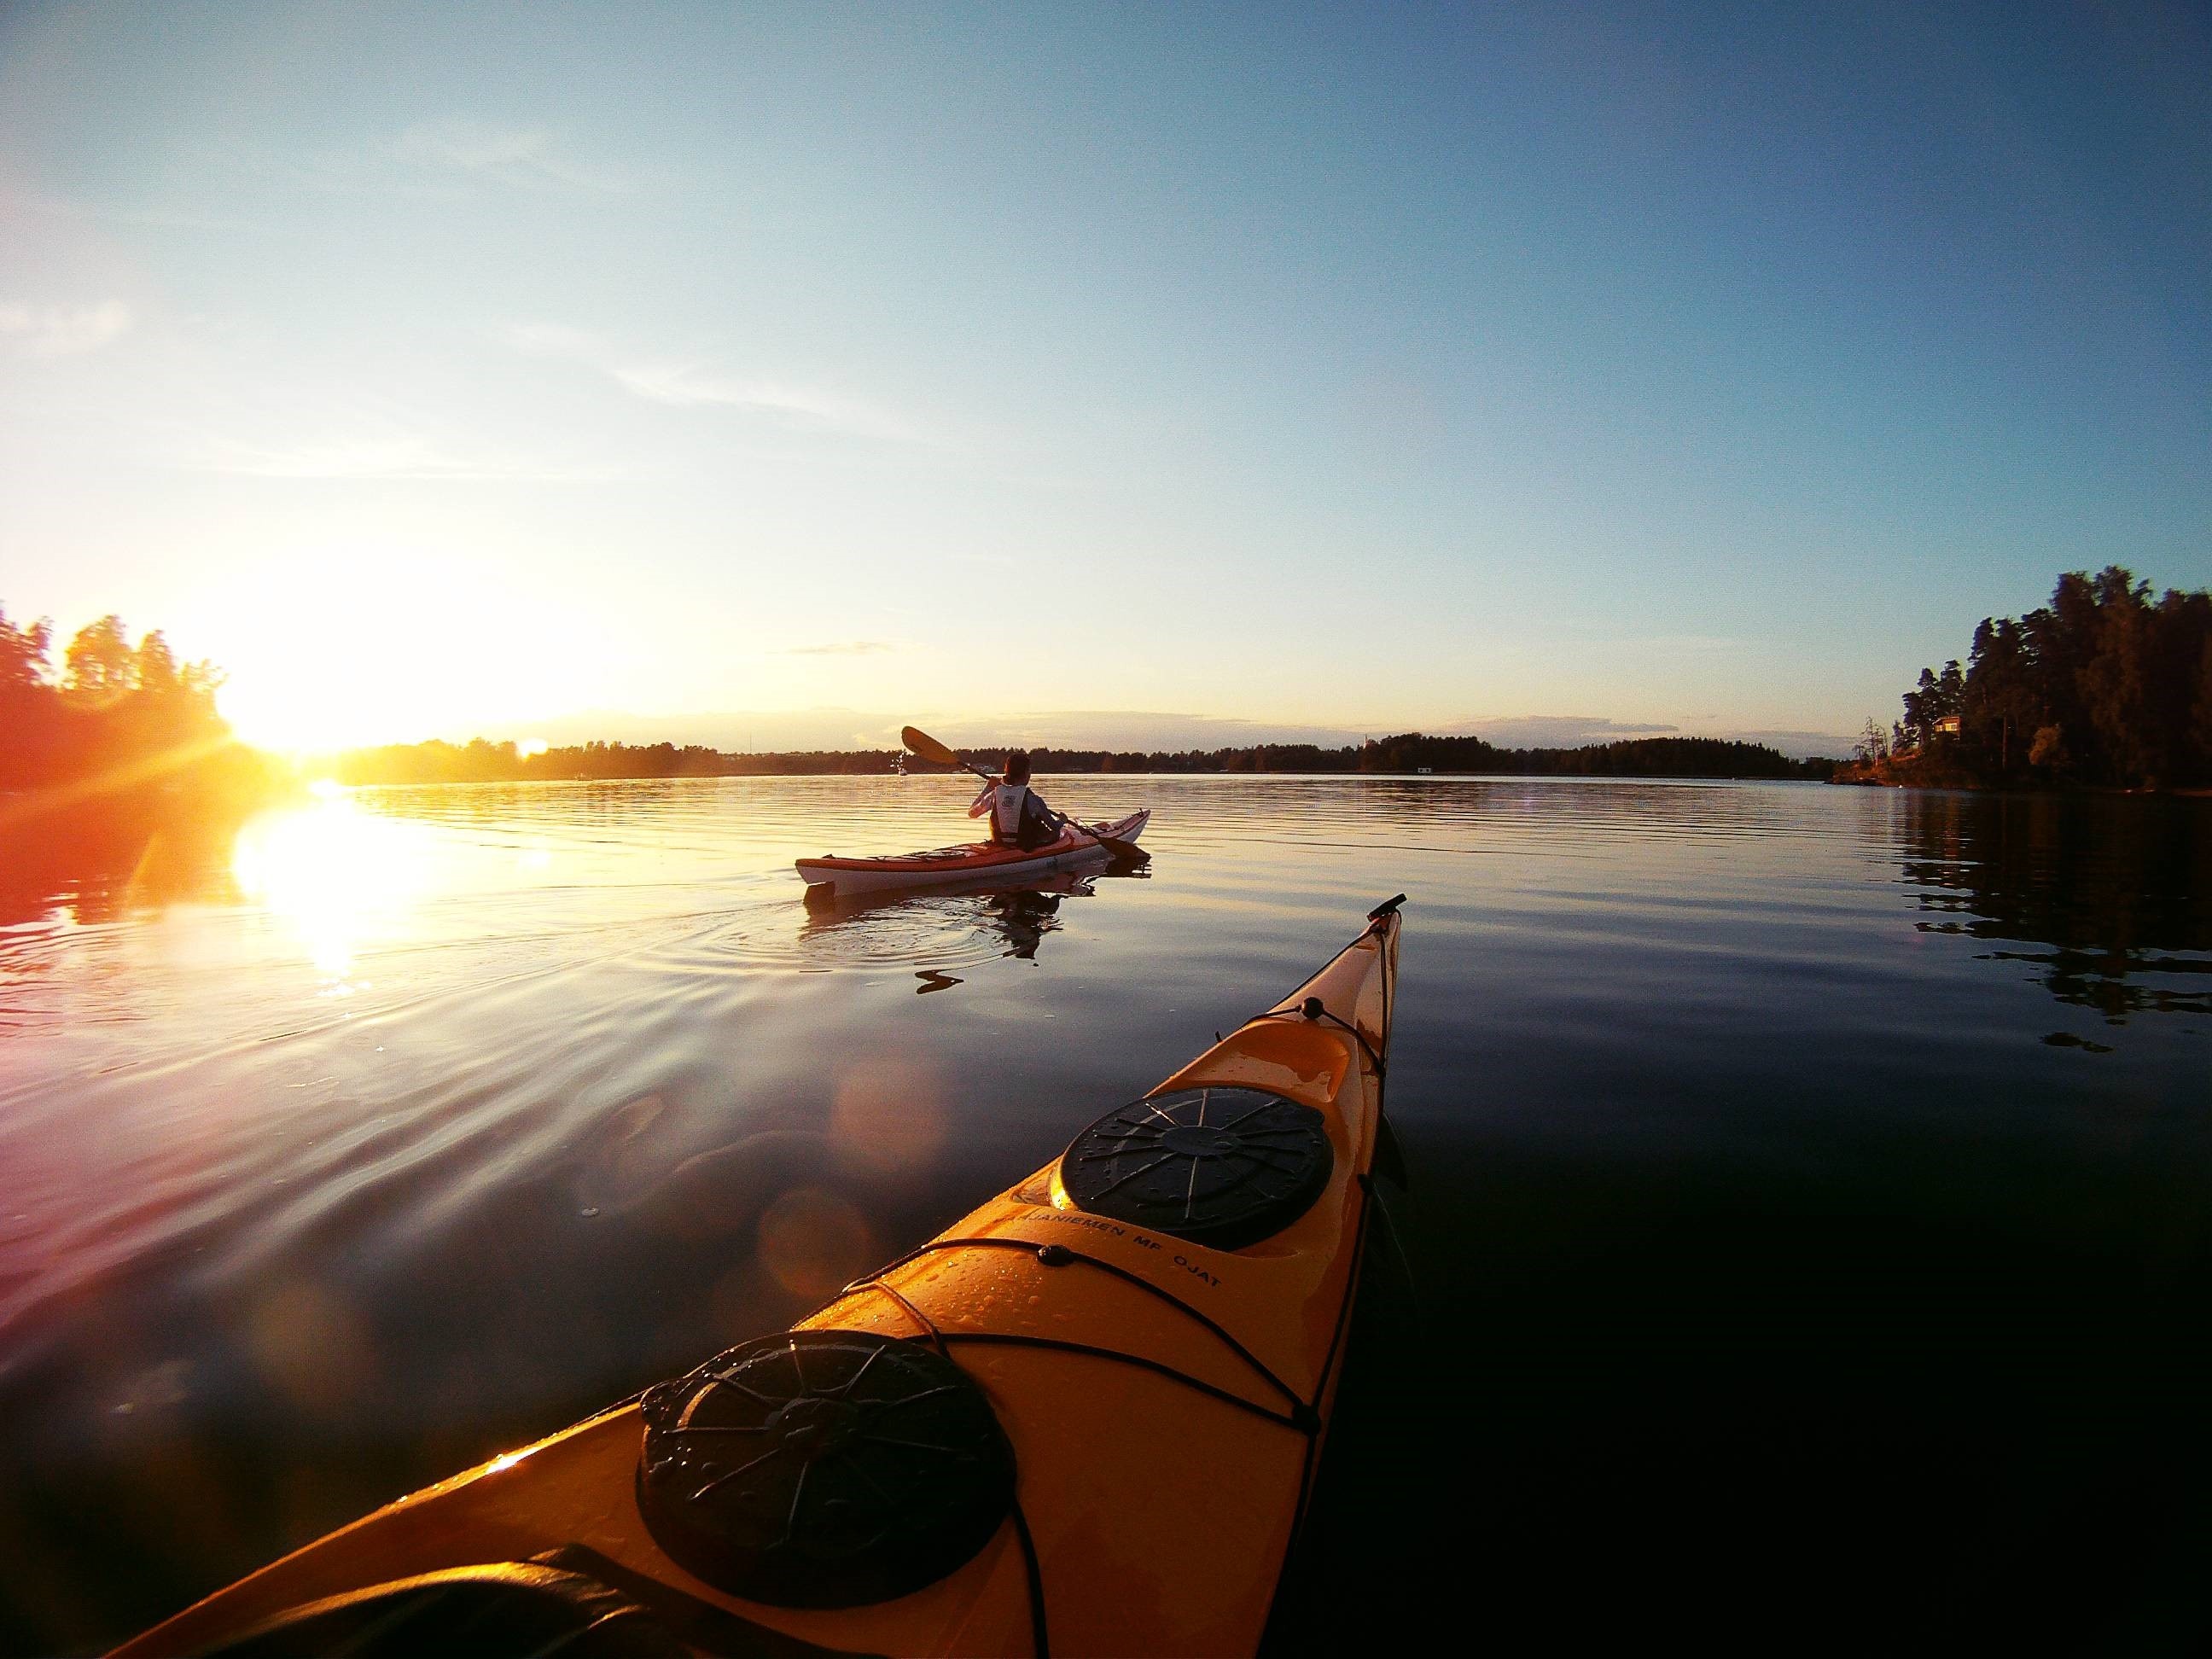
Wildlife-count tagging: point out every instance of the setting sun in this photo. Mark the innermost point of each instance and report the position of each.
(365, 644)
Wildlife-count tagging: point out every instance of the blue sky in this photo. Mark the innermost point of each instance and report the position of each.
(1108, 374)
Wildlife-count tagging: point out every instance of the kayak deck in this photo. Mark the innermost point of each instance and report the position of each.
(1158, 1352)
(964, 862)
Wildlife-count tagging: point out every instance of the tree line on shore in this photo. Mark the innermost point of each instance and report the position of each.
(118, 723)
(118, 778)
(2104, 686)
(483, 761)
(110, 709)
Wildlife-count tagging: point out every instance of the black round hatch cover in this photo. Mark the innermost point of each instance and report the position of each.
(1221, 1167)
(822, 1468)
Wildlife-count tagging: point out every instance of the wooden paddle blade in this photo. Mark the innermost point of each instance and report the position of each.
(927, 747)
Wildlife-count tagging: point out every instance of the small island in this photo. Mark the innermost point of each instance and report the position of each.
(2102, 688)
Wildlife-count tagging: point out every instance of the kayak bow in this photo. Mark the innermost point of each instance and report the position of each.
(1084, 1419)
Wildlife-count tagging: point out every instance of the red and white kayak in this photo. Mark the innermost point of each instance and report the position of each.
(841, 877)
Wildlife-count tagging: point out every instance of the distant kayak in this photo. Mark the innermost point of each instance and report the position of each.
(1083, 1420)
(843, 877)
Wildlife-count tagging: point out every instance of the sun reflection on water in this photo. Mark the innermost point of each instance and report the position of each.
(338, 877)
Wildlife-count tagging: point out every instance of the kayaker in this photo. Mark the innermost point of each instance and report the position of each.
(1018, 816)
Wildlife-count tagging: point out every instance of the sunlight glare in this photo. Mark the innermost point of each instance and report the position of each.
(336, 875)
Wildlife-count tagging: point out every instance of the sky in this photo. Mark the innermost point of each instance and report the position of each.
(769, 376)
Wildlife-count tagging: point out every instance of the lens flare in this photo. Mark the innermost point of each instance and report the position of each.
(813, 1242)
(888, 1115)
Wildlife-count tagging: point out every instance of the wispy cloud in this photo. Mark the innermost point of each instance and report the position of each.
(446, 161)
(62, 330)
(403, 456)
(279, 440)
(692, 384)
(153, 217)
(840, 648)
(523, 158)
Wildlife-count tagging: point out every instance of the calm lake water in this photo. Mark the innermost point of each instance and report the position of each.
(1810, 1204)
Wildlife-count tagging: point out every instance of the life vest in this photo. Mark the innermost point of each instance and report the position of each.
(1019, 818)
(1008, 802)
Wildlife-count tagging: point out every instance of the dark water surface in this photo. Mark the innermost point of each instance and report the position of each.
(1811, 1185)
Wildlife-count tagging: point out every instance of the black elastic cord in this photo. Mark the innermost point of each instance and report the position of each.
(943, 1338)
(1295, 1418)
(1040, 1639)
(914, 1313)
(1030, 1246)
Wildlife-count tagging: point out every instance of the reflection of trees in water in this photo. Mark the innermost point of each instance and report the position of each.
(101, 860)
(120, 784)
(2116, 890)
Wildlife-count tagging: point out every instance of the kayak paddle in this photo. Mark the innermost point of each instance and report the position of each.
(930, 750)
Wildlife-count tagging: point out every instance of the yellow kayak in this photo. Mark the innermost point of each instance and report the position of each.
(1084, 1421)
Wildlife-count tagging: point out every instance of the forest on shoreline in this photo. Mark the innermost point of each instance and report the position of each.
(117, 749)
(484, 762)
(112, 709)
(2104, 687)
(117, 760)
